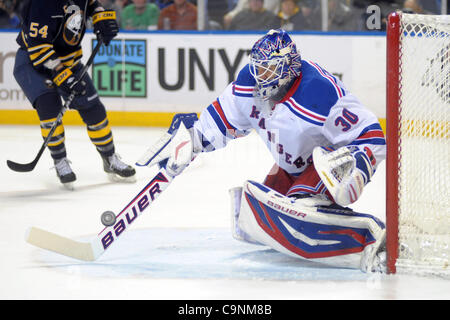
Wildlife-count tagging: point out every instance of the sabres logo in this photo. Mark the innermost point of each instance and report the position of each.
(73, 26)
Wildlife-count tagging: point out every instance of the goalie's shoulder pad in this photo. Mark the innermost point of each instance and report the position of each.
(244, 85)
(318, 91)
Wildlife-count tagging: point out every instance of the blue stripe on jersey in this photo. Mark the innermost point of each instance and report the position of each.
(375, 141)
(212, 111)
(375, 126)
(324, 73)
(372, 134)
(207, 146)
(298, 114)
(245, 78)
(241, 91)
(244, 86)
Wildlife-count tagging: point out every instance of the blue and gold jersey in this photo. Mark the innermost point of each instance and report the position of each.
(52, 31)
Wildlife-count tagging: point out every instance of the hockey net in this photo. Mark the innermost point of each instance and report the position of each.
(418, 146)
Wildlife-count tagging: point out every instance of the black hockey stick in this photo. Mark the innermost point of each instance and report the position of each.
(26, 167)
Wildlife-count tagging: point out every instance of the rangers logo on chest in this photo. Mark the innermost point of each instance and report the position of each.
(273, 141)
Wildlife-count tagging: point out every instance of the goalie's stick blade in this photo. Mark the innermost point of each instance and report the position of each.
(62, 245)
(19, 167)
(92, 250)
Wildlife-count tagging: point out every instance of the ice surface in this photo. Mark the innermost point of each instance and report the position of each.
(181, 248)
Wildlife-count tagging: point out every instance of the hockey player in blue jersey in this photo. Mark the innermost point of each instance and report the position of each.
(47, 67)
(326, 146)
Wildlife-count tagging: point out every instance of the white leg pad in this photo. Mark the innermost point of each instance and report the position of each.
(334, 237)
(237, 232)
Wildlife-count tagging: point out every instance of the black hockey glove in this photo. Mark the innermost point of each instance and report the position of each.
(67, 81)
(106, 25)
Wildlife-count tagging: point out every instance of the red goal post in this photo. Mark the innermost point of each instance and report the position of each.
(418, 148)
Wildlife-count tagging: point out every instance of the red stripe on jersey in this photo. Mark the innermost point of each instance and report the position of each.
(305, 111)
(329, 78)
(372, 134)
(222, 116)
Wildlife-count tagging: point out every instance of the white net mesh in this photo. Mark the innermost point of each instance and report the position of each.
(424, 175)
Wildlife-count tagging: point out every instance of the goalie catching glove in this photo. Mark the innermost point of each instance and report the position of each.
(344, 172)
(176, 149)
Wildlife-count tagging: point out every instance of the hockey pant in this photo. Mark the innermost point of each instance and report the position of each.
(47, 102)
(308, 182)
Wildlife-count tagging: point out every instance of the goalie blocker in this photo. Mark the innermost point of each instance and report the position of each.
(308, 228)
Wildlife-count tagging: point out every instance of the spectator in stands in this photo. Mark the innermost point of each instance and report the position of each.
(116, 5)
(121, 3)
(341, 17)
(140, 15)
(181, 15)
(290, 15)
(8, 16)
(434, 6)
(413, 6)
(162, 3)
(216, 11)
(311, 14)
(270, 5)
(256, 17)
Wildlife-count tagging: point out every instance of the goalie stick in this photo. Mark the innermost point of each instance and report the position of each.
(93, 249)
(27, 167)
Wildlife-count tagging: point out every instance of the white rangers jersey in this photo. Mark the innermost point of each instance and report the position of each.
(317, 111)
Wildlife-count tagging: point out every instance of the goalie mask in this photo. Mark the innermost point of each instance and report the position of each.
(274, 63)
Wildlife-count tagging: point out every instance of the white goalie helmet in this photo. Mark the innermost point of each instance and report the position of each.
(274, 63)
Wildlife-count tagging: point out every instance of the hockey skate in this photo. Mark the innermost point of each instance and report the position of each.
(65, 173)
(117, 170)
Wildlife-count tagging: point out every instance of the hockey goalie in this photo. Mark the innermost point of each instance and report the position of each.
(326, 146)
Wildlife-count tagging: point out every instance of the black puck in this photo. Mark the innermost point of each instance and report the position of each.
(108, 218)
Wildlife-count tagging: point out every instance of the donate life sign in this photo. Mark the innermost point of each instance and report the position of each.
(120, 69)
